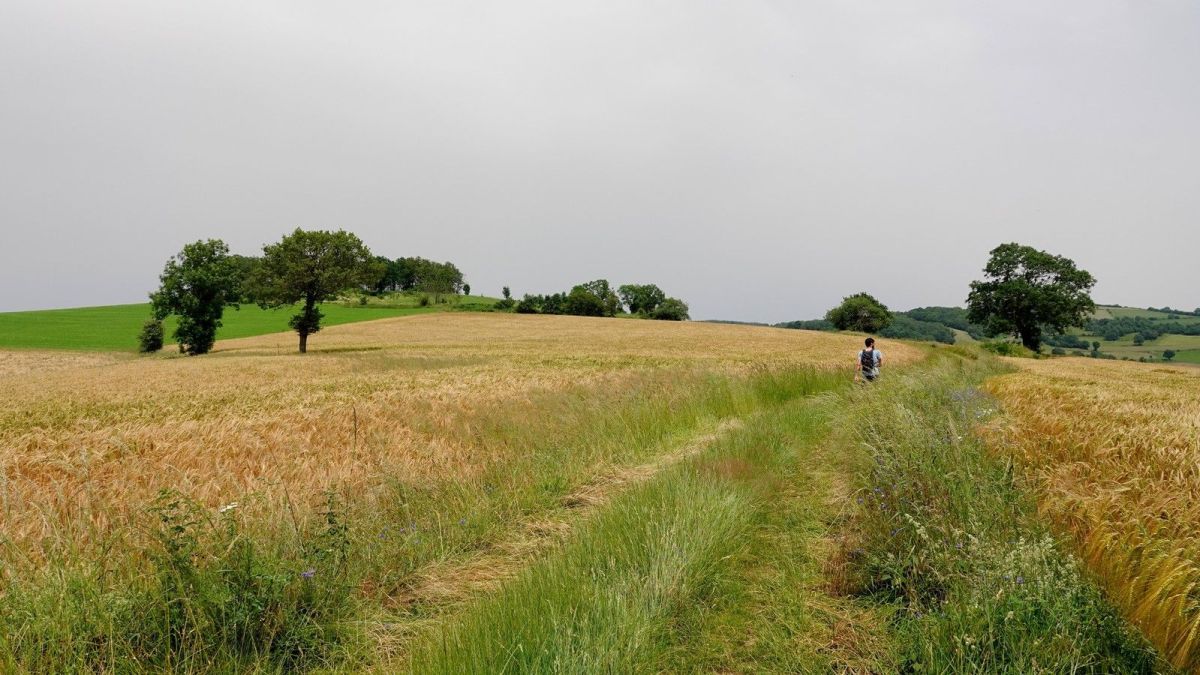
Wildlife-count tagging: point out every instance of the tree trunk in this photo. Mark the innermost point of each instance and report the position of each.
(305, 326)
(1032, 339)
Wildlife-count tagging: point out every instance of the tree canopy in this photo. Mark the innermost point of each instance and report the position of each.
(670, 309)
(860, 312)
(641, 298)
(597, 298)
(1027, 292)
(196, 285)
(311, 267)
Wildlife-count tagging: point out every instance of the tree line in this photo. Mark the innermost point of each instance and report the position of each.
(1142, 328)
(419, 274)
(303, 269)
(309, 267)
(862, 312)
(598, 298)
(1031, 295)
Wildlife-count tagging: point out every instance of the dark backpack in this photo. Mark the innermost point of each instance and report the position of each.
(867, 358)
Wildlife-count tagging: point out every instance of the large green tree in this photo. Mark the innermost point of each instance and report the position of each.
(311, 267)
(438, 279)
(196, 286)
(1027, 292)
(860, 312)
(641, 298)
(670, 309)
(594, 298)
(389, 275)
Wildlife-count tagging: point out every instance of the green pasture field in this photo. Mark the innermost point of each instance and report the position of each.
(1110, 312)
(116, 327)
(1187, 347)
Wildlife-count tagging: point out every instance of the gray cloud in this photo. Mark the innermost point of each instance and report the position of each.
(760, 159)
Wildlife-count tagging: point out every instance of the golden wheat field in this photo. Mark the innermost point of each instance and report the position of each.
(1113, 450)
(85, 444)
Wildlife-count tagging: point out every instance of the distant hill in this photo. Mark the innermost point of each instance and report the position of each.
(1123, 332)
(1137, 334)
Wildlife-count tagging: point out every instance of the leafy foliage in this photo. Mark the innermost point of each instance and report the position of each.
(951, 317)
(312, 267)
(594, 298)
(641, 298)
(505, 303)
(151, 338)
(671, 309)
(197, 284)
(810, 324)
(1067, 341)
(906, 328)
(1027, 291)
(1150, 328)
(860, 312)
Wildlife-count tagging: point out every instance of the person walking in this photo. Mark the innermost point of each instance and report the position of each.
(869, 362)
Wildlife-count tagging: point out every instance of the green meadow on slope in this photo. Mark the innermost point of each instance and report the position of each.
(116, 327)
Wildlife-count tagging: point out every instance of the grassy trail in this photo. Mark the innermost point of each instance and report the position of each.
(713, 560)
(446, 582)
(860, 530)
(627, 589)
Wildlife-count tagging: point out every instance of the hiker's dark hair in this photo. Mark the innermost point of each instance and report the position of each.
(870, 342)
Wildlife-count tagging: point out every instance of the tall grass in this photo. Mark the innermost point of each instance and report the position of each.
(599, 605)
(944, 534)
(197, 589)
(626, 593)
(770, 609)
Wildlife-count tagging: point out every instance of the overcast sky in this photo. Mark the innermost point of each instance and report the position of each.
(758, 159)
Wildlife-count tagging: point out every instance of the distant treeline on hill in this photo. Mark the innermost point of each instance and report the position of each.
(385, 274)
(1148, 328)
(932, 324)
(419, 274)
(597, 298)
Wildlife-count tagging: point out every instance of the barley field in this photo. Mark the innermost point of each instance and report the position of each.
(455, 492)
(95, 436)
(1112, 450)
(407, 461)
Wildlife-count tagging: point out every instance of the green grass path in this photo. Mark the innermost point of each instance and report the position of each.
(859, 531)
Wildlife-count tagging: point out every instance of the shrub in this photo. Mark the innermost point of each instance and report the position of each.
(671, 309)
(582, 302)
(860, 312)
(151, 338)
